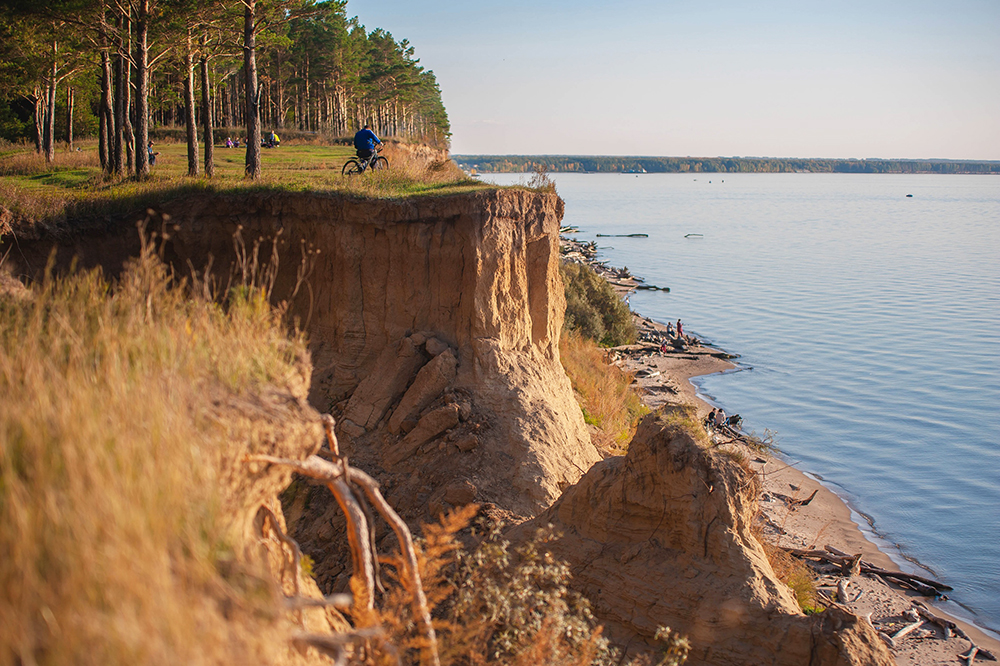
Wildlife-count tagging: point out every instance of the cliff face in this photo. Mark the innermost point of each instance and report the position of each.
(433, 326)
(661, 537)
(385, 287)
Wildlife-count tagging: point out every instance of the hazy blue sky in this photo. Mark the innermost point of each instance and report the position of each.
(800, 78)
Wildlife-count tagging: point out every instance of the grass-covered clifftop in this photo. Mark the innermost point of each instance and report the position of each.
(74, 186)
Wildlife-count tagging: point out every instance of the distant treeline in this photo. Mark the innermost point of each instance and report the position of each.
(603, 164)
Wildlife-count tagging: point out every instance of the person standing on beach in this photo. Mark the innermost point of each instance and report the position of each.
(680, 329)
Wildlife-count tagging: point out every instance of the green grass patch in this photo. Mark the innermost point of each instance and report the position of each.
(593, 309)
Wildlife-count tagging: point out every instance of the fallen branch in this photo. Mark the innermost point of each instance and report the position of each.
(792, 502)
(340, 601)
(338, 478)
(947, 626)
(906, 630)
(335, 645)
(870, 568)
(974, 651)
(357, 523)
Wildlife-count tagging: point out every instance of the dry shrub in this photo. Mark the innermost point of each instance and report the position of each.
(593, 308)
(604, 392)
(795, 574)
(112, 524)
(500, 604)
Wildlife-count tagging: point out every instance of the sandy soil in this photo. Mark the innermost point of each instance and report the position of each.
(663, 373)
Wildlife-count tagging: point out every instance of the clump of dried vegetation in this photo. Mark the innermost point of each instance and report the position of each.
(112, 524)
(596, 317)
(500, 604)
(605, 392)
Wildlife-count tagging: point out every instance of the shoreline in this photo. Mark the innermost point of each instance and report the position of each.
(826, 520)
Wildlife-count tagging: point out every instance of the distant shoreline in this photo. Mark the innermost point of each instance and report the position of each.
(652, 164)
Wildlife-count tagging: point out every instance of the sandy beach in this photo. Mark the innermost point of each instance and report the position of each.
(917, 632)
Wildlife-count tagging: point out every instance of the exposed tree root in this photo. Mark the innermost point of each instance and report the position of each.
(342, 480)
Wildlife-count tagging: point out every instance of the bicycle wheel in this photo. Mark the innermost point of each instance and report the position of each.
(380, 163)
(352, 167)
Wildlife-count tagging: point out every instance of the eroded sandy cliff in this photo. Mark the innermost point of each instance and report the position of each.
(661, 537)
(393, 285)
(433, 327)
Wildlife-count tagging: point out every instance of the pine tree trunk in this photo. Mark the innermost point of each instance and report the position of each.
(142, 91)
(252, 93)
(206, 115)
(70, 98)
(121, 111)
(190, 123)
(281, 95)
(107, 127)
(49, 144)
(129, 108)
(39, 118)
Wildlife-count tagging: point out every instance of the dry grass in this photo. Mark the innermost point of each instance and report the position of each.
(795, 574)
(604, 391)
(18, 161)
(112, 529)
(73, 186)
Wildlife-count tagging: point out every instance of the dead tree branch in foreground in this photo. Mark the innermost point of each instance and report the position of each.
(340, 478)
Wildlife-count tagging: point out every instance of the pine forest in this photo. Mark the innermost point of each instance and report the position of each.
(126, 70)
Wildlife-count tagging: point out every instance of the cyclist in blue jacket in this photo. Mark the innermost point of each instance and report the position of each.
(365, 142)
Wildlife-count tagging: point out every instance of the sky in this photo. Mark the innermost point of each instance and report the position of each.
(804, 78)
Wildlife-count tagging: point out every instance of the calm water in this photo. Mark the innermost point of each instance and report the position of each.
(869, 329)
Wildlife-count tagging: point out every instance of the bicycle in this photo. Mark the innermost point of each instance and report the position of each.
(374, 161)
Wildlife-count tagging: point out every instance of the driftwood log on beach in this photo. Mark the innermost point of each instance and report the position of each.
(925, 586)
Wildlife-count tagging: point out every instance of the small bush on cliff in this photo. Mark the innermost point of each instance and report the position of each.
(113, 439)
(505, 604)
(604, 391)
(593, 309)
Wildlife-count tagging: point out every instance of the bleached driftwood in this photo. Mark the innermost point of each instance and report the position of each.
(925, 586)
(906, 630)
(340, 601)
(974, 651)
(842, 595)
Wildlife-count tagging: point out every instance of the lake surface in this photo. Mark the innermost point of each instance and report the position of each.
(869, 329)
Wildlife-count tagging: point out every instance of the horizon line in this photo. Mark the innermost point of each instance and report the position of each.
(734, 157)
